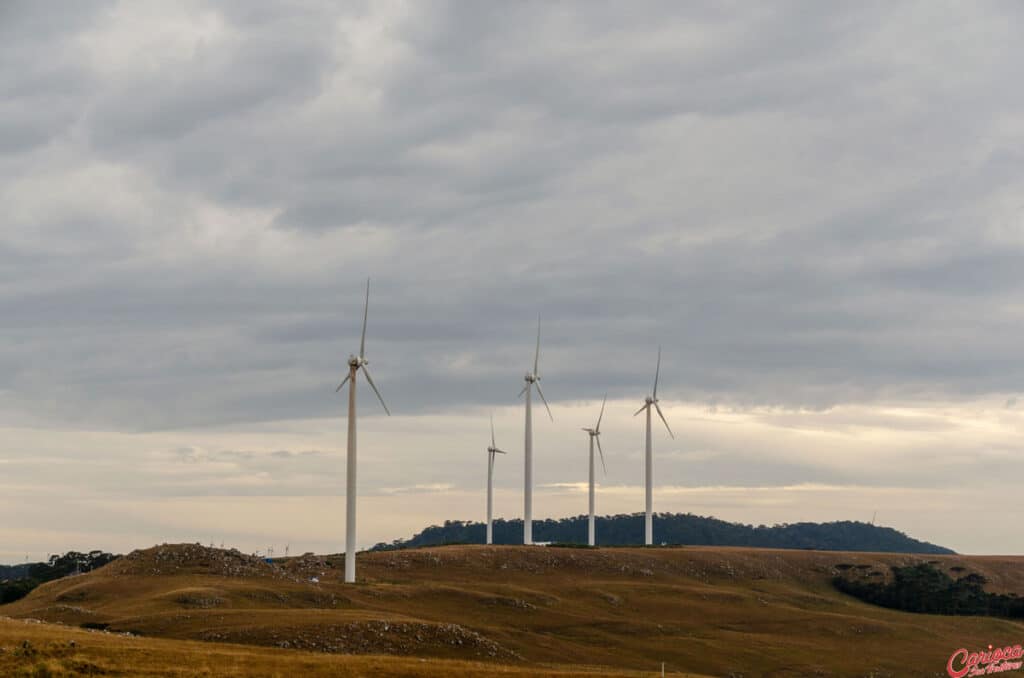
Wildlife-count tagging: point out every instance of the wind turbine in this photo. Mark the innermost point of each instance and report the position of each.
(595, 434)
(532, 379)
(491, 451)
(648, 456)
(354, 364)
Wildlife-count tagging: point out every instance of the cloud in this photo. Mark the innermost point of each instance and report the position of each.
(429, 488)
(815, 211)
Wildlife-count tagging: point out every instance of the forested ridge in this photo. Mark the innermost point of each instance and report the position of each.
(678, 528)
(16, 581)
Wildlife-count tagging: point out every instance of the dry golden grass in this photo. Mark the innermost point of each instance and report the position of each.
(712, 611)
(50, 654)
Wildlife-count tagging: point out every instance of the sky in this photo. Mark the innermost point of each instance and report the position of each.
(815, 209)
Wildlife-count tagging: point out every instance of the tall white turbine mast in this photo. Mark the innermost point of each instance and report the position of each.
(649, 456)
(595, 436)
(491, 451)
(532, 379)
(354, 364)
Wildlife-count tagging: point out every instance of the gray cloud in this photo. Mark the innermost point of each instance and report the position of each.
(763, 192)
(808, 206)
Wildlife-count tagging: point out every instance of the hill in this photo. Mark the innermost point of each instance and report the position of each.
(35, 649)
(678, 528)
(18, 580)
(9, 572)
(707, 610)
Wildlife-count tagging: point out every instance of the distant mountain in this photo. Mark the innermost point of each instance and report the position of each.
(15, 571)
(17, 581)
(679, 528)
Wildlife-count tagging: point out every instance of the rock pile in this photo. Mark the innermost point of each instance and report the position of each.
(204, 602)
(172, 559)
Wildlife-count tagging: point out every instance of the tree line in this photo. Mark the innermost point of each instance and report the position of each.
(21, 579)
(677, 528)
(926, 589)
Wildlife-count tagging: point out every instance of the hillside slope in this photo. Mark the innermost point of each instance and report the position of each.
(33, 649)
(706, 610)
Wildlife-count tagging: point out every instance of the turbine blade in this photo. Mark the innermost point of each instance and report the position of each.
(500, 451)
(493, 444)
(537, 384)
(597, 429)
(374, 387)
(603, 467)
(523, 391)
(366, 312)
(657, 371)
(343, 382)
(536, 355)
(658, 407)
(641, 409)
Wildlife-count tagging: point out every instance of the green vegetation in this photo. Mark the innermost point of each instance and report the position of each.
(34, 574)
(678, 528)
(14, 571)
(926, 589)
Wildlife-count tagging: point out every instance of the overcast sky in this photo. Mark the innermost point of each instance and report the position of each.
(815, 208)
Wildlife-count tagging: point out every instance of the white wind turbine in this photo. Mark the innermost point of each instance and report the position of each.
(491, 451)
(354, 364)
(532, 379)
(648, 456)
(595, 434)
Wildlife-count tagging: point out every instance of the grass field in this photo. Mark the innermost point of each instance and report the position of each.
(519, 610)
(57, 651)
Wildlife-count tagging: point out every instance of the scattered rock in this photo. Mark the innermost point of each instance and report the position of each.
(372, 637)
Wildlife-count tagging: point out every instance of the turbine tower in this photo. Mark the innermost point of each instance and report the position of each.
(648, 455)
(532, 379)
(491, 451)
(354, 365)
(595, 434)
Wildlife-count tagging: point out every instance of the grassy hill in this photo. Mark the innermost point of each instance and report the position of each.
(678, 528)
(37, 650)
(707, 610)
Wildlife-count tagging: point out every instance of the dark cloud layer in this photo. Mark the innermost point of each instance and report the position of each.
(806, 205)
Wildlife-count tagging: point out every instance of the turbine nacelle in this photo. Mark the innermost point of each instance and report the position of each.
(652, 400)
(493, 449)
(356, 362)
(595, 434)
(533, 378)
